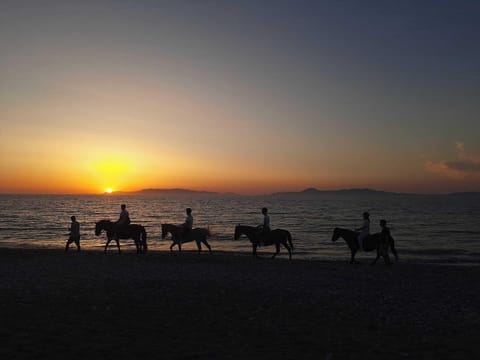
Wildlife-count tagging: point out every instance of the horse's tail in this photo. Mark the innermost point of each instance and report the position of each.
(209, 232)
(289, 238)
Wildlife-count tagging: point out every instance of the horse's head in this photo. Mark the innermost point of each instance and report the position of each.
(164, 231)
(106, 225)
(336, 234)
(238, 232)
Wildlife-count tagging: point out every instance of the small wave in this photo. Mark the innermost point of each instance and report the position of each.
(469, 232)
(438, 251)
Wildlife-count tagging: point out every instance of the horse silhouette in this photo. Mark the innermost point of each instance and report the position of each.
(273, 237)
(199, 235)
(372, 242)
(131, 231)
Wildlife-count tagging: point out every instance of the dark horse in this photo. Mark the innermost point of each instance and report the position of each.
(199, 235)
(274, 237)
(372, 242)
(132, 231)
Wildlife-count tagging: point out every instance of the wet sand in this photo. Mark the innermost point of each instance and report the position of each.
(156, 305)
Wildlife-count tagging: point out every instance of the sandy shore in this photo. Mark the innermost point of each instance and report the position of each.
(92, 305)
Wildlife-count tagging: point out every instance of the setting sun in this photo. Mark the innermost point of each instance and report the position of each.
(108, 191)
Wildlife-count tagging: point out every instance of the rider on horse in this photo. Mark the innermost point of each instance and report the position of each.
(364, 230)
(123, 221)
(187, 226)
(264, 229)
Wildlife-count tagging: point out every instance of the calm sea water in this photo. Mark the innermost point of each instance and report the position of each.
(426, 228)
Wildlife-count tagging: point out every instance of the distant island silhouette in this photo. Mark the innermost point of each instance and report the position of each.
(303, 193)
(353, 191)
(172, 191)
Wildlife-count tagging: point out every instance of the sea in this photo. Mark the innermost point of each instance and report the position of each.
(443, 229)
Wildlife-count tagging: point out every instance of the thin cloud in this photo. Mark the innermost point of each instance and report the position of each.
(463, 167)
(467, 166)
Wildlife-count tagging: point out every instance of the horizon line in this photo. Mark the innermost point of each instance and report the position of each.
(304, 190)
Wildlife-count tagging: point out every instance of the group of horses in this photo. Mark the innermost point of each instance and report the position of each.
(275, 237)
(199, 235)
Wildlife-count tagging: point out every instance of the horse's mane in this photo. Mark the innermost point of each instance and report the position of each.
(105, 221)
(245, 226)
(344, 229)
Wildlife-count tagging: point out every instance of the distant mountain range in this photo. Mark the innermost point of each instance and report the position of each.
(314, 191)
(174, 191)
(365, 192)
(305, 192)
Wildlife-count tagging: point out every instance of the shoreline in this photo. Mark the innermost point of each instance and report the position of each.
(225, 305)
(420, 258)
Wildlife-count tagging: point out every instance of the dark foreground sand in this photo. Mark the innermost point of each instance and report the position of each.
(91, 305)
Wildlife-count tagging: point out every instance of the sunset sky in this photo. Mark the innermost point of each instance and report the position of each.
(243, 96)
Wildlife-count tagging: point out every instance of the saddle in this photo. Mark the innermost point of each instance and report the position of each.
(363, 246)
(262, 238)
(122, 231)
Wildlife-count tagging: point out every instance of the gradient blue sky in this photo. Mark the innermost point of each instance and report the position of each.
(245, 96)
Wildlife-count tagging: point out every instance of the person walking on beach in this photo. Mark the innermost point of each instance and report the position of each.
(74, 234)
(387, 239)
(123, 220)
(364, 230)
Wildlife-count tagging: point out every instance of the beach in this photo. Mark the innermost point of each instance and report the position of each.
(231, 305)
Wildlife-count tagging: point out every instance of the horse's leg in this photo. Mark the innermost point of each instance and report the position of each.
(118, 244)
(199, 246)
(106, 245)
(277, 249)
(207, 245)
(288, 248)
(254, 249)
(352, 259)
(171, 246)
(378, 255)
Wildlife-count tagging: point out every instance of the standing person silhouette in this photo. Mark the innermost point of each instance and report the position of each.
(387, 238)
(364, 230)
(74, 234)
